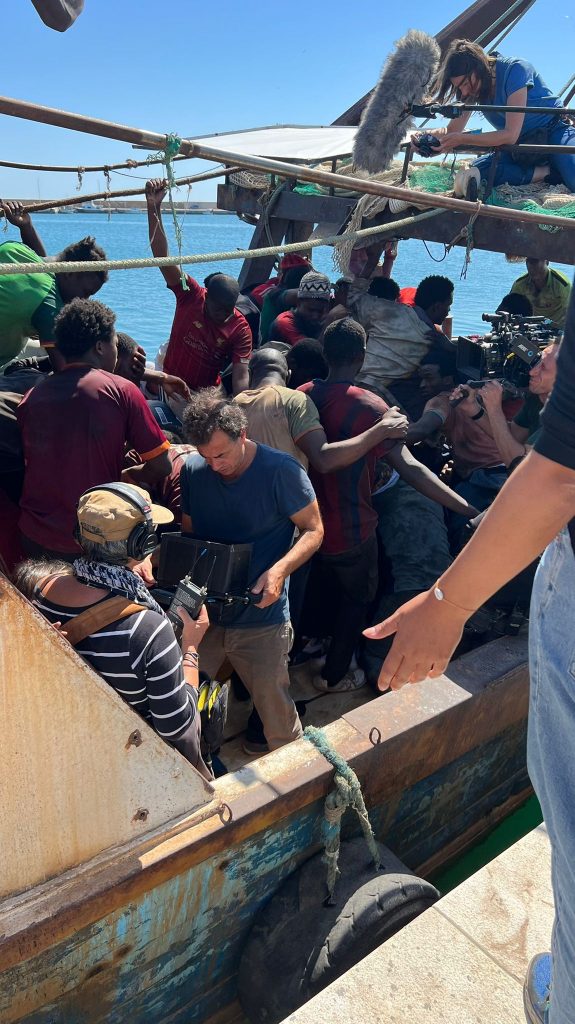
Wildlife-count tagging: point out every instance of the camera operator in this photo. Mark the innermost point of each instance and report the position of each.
(514, 438)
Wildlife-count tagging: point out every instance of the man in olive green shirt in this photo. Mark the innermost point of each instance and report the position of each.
(289, 421)
(547, 289)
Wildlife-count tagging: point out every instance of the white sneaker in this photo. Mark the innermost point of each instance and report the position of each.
(354, 679)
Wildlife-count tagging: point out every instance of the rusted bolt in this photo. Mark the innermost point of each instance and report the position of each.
(374, 736)
(141, 814)
(134, 739)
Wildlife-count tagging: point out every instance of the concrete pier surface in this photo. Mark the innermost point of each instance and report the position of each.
(461, 962)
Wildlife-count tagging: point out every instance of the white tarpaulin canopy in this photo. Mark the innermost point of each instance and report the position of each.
(286, 142)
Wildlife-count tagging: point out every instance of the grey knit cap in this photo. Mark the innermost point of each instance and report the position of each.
(314, 286)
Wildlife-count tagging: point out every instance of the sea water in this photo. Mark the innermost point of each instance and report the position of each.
(145, 308)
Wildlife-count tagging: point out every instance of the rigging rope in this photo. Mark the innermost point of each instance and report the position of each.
(346, 793)
(79, 267)
(215, 172)
(79, 169)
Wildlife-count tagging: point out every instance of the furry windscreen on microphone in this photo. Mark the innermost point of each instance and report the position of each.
(404, 79)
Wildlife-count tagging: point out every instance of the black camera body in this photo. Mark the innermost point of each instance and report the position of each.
(507, 354)
(427, 143)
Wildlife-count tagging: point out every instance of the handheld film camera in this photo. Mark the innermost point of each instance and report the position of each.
(507, 354)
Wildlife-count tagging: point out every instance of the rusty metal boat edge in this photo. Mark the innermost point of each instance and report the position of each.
(152, 928)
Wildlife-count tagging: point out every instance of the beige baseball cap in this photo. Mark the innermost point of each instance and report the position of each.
(105, 515)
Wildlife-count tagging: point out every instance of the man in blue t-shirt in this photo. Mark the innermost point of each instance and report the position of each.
(235, 491)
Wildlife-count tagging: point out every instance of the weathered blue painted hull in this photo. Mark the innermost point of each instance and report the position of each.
(156, 934)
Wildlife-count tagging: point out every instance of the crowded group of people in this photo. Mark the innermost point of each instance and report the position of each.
(328, 430)
(317, 434)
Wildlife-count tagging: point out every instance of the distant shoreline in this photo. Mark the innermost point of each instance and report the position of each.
(74, 210)
(202, 212)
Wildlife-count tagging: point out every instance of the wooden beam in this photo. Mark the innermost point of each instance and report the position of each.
(255, 271)
(290, 205)
(494, 235)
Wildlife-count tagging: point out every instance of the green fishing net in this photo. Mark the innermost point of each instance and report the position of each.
(437, 178)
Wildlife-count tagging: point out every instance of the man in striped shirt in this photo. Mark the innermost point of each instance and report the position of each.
(138, 655)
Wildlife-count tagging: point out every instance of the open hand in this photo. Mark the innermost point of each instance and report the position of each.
(427, 632)
(175, 386)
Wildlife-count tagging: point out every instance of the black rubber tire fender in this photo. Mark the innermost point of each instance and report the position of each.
(298, 945)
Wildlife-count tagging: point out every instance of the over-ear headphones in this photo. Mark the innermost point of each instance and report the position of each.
(143, 538)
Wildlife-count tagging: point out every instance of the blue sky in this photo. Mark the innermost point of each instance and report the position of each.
(193, 69)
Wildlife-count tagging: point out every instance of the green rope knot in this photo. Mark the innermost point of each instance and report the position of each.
(172, 146)
(171, 149)
(346, 793)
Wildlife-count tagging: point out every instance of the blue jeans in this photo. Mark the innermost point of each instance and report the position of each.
(510, 172)
(551, 750)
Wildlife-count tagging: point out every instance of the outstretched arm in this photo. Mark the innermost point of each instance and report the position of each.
(17, 215)
(327, 458)
(156, 189)
(426, 482)
(427, 630)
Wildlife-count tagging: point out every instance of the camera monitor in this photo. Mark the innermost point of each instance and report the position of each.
(470, 358)
(221, 568)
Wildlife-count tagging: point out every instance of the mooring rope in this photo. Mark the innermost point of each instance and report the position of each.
(79, 267)
(347, 793)
(80, 169)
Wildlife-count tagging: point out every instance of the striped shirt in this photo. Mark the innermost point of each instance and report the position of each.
(140, 658)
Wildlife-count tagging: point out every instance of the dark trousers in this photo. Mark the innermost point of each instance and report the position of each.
(352, 577)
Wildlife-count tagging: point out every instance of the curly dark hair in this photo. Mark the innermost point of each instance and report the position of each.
(86, 250)
(344, 342)
(434, 288)
(207, 412)
(306, 361)
(384, 288)
(80, 324)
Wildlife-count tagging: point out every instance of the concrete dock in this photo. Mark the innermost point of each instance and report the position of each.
(461, 962)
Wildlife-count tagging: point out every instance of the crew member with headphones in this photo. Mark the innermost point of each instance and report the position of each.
(107, 613)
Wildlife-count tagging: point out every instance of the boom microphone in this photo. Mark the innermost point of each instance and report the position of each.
(404, 80)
